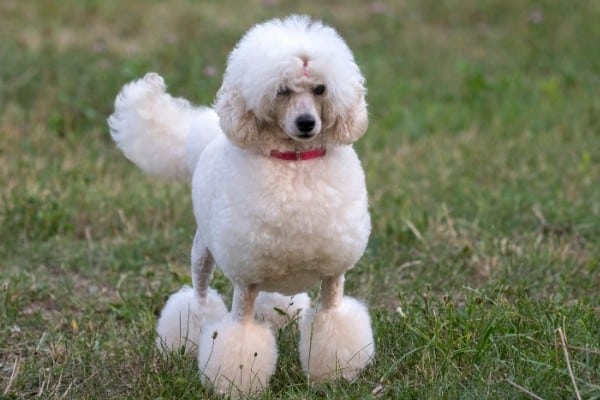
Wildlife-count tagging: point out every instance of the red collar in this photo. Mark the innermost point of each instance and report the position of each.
(299, 155)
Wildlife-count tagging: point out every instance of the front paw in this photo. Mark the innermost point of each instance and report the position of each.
(336, 342)
(236, 358)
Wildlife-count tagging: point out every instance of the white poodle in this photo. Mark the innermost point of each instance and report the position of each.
(279, 198)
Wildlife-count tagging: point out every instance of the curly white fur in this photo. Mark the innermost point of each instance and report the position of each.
(278, 310)
(161, 134)
(270, 55)
(336, 342)
(183, 317)
(237, 359)
(272, 225)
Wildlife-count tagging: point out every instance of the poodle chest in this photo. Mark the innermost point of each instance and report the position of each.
(282, 226)
(290, 254)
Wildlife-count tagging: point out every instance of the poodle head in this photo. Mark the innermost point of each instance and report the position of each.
(292, 81)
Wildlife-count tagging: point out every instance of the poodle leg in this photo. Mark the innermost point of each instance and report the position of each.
(189, 310)
(203, 266)
(336, 339)
(237, 355)
(277, 309)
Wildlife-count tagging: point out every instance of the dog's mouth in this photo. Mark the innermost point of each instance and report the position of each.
(304, 137)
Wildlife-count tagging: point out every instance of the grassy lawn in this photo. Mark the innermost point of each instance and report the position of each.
(483, 166)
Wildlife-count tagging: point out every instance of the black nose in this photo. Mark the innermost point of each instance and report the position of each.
(305, 123)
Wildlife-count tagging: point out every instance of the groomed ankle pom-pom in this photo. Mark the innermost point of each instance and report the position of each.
(337, 342)
(184, 316)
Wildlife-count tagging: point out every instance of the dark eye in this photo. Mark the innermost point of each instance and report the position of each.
(319, 90)
(284, 91)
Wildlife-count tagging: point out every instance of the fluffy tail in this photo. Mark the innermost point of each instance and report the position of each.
(162, 135)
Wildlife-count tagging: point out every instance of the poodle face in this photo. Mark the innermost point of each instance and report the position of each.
(292, 84)
(298, 109)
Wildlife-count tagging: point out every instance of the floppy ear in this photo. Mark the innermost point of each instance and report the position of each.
(239, 124)
(351, 123)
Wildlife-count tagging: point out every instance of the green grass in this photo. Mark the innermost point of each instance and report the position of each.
(483, 167)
